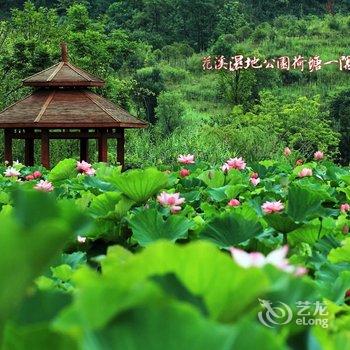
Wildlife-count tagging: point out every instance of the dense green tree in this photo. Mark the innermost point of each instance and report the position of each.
(231, 18)
(169, 111)
(196, 22)
(28, 43)
(261, 10)
(225, 45)
(240, 88)
(150, 84)
(199, 20)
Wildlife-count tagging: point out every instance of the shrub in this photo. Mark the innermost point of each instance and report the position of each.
(239, 87)
(149, 85)
(224, 46)
(176, 51)
(334, 23)
(291, 77)
(243, 32)
(262, 32)
(120, 90)
(252, 142)
(194, 63)
(173, 74)
(290, 26)
(169, 111)
(299, 124)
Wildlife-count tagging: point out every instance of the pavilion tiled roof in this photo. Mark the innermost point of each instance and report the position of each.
(61, 108)
(63, 74)
(62, 100)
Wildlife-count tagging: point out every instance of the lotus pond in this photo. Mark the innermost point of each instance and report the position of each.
(196, 256)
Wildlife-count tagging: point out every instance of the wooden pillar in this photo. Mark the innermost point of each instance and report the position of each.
(84, 147)
(29, 147)
(45, 148)
(120, 148)
(8, 145)
(102, 146)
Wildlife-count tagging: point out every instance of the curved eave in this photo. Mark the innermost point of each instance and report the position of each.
(59, 109)
(72, 126)
(81, 84)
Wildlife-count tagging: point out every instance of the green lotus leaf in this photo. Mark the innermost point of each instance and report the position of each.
(213, 178)
(218, 194)
(281, 222)
(232, 191)
(31, 235)
(105, 172)
(192, 331)
(110, 205)
(235, 177)
(139, 185)
(230, 229)
(341, 254)
(346, 179)
(311, 232)
(228, 291)
(64, 170)
(345, 190)
(148, 226)
(305, 201)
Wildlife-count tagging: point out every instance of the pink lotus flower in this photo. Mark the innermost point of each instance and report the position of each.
(254, 175)
(234, 163)
(272, 207)
(37, 174)
(85, 168)
(305, 172)
(186, 158)
(299, 162)
(184, 172)
(29, 177)
(90, 172)
(234, 203)
(318, 155)
(225, 168)
(276, 258)
(11, 172)
(344, 208)
(171, 200)
(287, 152)
(255, 181)
(44, 186)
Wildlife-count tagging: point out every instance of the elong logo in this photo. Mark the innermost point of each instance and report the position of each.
(279, 313)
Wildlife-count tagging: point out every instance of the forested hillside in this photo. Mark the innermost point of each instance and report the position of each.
(150, 54)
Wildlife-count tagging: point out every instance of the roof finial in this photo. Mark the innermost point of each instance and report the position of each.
(64, 52)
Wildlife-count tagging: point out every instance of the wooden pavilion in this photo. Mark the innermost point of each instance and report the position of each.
(62, 107)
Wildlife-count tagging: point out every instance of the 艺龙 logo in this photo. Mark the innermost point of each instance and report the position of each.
(274, 315)
(307, 314)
